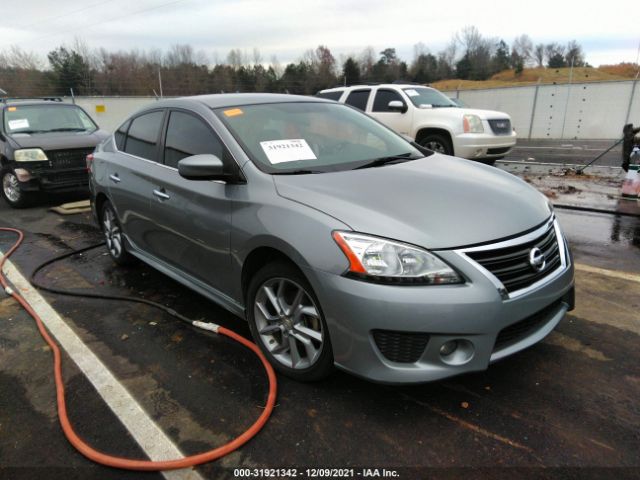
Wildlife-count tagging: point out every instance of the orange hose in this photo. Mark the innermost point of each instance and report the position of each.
(127, 463)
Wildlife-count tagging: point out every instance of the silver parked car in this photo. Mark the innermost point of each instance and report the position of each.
(339, 241)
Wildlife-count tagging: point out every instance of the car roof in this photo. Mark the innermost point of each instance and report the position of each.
(221, 100)
(18, 102)
(369, 85)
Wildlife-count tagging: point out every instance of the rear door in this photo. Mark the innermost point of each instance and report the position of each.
(358, 98)
(130, 178)
(191, 218)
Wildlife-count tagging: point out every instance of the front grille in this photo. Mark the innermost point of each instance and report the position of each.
(401, 347)
(75, 158)
(63, 179)
(498, 151)
(500, 126)
(522, 329)
(511, 264)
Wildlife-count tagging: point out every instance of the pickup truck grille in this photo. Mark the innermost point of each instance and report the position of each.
(63, 159)
(500, 126)
(511, 264)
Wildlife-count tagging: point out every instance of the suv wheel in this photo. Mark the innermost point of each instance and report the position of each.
(11, 191)
(437, 143)
(113, 235)
(287, 323)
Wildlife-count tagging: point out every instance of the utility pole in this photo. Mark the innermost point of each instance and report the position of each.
(160, 81)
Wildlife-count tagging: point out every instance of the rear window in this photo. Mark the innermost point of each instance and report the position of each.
(358, 99)
(142, 139)
(330, 95)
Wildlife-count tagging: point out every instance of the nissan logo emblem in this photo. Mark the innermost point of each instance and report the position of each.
(536, 259)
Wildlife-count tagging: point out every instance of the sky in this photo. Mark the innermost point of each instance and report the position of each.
(287, 28)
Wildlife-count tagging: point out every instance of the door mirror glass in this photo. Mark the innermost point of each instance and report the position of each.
(397, 106)
(202, 167)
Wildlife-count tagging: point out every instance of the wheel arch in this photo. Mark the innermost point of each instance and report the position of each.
(258, 258)
(426, 131)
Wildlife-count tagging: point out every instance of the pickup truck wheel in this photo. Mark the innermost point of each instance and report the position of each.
(11, 191)
(437, 143)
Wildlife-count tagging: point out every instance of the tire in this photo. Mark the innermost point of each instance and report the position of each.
(489, 161)
(287, 323)
(437, 143)
(113, 235)
(11, 192)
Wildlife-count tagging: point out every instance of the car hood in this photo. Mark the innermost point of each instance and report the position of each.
(484, 114)
(59, 140)
(437, 202)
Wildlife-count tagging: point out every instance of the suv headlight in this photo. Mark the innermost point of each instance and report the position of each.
(386, 261)
(29, 155)
(472, 124)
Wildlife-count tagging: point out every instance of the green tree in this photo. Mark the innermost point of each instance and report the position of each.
(501, 60)
(351, 71)
(70, 71)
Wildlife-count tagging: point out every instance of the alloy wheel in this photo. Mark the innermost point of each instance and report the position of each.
(10, 187)
(435, 146)
(112, 233)
(288, 323)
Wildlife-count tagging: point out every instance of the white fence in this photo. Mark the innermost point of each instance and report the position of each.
(568, 111)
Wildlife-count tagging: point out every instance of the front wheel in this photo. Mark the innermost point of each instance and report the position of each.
(437, 143)
(11, 191)
(286, 322)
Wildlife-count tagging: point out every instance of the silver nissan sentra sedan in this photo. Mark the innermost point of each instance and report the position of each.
(339, 241)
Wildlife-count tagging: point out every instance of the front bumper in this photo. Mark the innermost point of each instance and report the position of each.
(54, 180)
(483, 145)
(473, 314)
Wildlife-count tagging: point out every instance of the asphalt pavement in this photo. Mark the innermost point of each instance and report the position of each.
(569, 151)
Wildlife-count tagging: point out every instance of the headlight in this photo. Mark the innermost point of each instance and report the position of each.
(472, 124)
(29, 155)
(386, 261)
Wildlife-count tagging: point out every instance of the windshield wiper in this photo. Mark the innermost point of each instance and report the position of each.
(68, 129)
(29, 131)
(298, 172)
(378, 162)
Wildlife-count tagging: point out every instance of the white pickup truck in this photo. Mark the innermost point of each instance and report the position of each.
(432, 119)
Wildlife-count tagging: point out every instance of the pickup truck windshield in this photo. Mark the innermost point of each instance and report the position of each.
(313, 137)
(428, 96)
(35, 119)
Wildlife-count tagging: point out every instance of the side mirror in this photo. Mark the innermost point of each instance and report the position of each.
(397, 106)
(202, 167)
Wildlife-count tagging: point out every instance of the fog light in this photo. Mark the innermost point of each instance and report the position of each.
(22, 174)
(448, 348)
(457, 352)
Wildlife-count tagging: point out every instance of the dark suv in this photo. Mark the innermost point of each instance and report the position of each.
(43, 146)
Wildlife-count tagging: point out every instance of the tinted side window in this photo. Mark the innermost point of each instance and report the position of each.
(186, 136)
(143, 135)
(121, 135)
(383, 97)
(330, 95)
(358, 99)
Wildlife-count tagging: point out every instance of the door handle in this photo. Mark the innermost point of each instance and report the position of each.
(161, 195)
(115, 178)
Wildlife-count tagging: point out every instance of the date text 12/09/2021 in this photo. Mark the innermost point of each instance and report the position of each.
(315, 473)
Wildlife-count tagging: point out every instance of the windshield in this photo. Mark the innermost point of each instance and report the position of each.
(312, 137)
(46, 118)
(428, 96)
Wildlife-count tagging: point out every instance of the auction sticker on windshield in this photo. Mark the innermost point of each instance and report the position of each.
(280, 151)
(20, 123)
